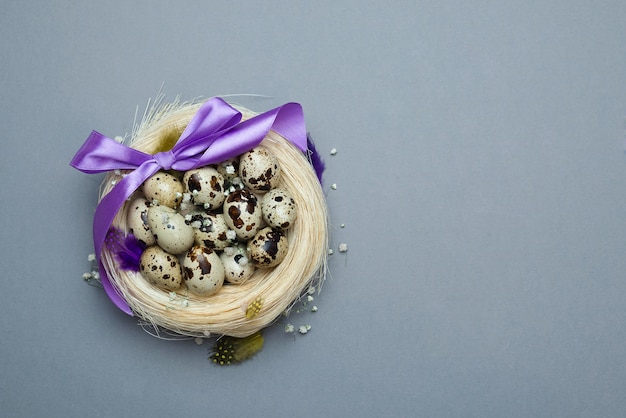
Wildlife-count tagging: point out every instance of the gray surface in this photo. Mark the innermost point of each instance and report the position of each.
(481, 176)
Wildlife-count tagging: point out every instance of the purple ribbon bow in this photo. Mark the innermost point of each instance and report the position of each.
(213, 135)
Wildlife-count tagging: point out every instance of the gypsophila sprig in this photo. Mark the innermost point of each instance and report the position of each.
(303, 329)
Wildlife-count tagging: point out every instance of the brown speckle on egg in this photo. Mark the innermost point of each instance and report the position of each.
(242, 214)
(259, 169)
(160, 268)
(268, 248)
(204, 272)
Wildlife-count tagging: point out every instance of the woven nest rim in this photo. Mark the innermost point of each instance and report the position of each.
(276, 289)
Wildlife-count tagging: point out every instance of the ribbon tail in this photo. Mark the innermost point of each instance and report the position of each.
(108, 207)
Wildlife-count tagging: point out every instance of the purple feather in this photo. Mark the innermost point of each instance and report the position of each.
(314, 158)
(127, 249)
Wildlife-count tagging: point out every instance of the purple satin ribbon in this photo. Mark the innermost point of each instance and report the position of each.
(213, 135)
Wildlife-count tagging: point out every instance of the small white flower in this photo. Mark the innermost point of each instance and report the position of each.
(330, 251)
(334, 186)
(310, 298)
(311, 290)
(343, 247)
(231, 235)
(86, 276)
(91, 257)
(178, 195)
(314, 309)
(289, 328)
(117, 172)
(95, 275)
(303, 329)
(230, 169)
(333, 151)
(207, 206)
(119, 139)
(342, 225)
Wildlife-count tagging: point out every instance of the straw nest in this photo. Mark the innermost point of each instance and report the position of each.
(275, 289)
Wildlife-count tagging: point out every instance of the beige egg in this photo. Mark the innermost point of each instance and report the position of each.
(170, 231)
(242, 213)
(279, 208)
(210, 230)
(268, 247)
(237, 266)
(206, 186)
(259, 169)
(203, 271)
(160, 268)
(164, 189)
(137, 219)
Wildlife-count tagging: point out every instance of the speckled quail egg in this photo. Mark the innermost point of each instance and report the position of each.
(203, 271)
(206, 187)
(259, 169)
(242, 213)
(210, 230)
(237, 266)
(268, 247)
(279, 208)
(164, 189)
(171, 232)
(137, 220)
(161, 268)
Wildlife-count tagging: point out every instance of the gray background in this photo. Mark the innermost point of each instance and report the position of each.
(481, 175)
